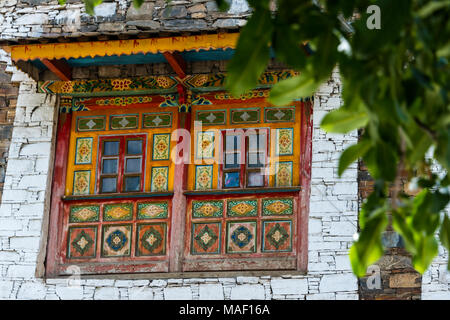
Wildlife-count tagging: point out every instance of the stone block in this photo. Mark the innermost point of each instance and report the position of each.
(31, 291)
(6, 288)
(106, 293)
(69, 293)
(289, 286)
(338, 282)
(140, 293)
(211, 292)
(32, 19)
(145, 12)
(405, 280)
(248, 292)
(178, 293)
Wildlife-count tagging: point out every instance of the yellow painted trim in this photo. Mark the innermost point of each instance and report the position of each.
(120, 47)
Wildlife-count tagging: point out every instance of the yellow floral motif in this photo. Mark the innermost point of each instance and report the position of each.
(200, 80)
(85, 214)
(121, 84)
(242, 208)
(277, 207)
(152, 210)
(164, 82)
(81, 183)
(117, 212)
(67, 87)
(208, 209)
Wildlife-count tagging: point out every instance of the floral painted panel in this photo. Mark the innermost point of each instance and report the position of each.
(81, 242)
(153, 210)
(118, 212)
(277, 236)
(81, 182)
(277, 207)
(241, 237)
(203, 177)
(157, 120)
(123, 122)
(83, 153)
(94, 123)
(151, 239)
(242, 208)
(160, 179)
(161, 146)
(283, 177)
(207, 209)
(206, 238)
(285, 142)
(286, 114)
(205, 145)
(116, 240)
(84, 213)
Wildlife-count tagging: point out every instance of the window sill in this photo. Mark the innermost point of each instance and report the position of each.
(109, 196)
(243, 191)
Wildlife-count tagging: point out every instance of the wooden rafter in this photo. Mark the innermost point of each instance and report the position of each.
(177, 63)
(60, 68)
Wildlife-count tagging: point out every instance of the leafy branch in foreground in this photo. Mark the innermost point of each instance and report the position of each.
(396, 83)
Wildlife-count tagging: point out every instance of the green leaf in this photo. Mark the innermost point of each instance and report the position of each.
(352, 154)
(369, 248)
(90, 4)
(431, 7)
(252, 53)
(286, 91)
(444, 235)
(343, 121)
(62, 2)
(223, 5)
(427, 249)
(137, 3)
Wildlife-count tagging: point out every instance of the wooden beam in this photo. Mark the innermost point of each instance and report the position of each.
(177, 63)
(60, 68)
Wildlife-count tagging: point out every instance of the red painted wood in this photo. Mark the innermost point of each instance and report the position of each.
(58, 187)
(176, 237)
(177, 63)
(60, 68)
(305, 182)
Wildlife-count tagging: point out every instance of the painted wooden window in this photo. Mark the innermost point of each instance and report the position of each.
(121, 205)
(244, 158)
(121, 164)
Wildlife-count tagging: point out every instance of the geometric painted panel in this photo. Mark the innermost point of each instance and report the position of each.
(279, 114)
(91, 123)
(81, 242)
(151, 239)
(157, 120)
(211, 117)
(283, 177)
(153, 210)
(203, 177)
(118, 212)
(277, 236)
(116, 240)
(205, 145)
(83, 154)
(161, 146)
(277, 207)
(241, 236)
(244, 116)
(123, 122)
(84, 213)
(242, 208)
(206, 238)
(285, 142)
(160, 178)
(207, 209)
(81, 182)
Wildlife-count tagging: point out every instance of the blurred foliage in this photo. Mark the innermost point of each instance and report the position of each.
(396, 83)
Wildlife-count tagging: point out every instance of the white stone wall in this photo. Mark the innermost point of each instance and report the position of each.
(333, 220)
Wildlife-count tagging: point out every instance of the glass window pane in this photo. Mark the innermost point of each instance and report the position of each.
(109, 166)
(232, 142)
(111, 148)
(256, 159)
(133, 165)
(257, 141)
(109, 185)
(132, 184)
(232, 160)
(232, 180)
(255, 179)
(134, 146)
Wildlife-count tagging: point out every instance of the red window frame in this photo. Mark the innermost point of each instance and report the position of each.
(243, 169)
(122, 156)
